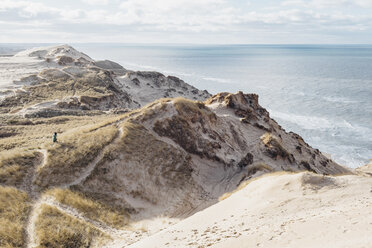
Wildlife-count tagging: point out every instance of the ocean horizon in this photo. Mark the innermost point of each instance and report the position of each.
(321, 92)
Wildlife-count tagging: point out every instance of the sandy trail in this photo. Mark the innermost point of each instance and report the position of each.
(30, 229)
(36, 206)
(113, 232)
(34, 212)
(28, 184)
(48, 200)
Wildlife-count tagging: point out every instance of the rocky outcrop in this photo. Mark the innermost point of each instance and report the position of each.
(234, 130)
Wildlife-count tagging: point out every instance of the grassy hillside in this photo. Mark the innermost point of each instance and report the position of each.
(56, 229)
(14, 209)
(91, 208)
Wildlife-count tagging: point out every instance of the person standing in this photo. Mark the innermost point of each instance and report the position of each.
(54, 137)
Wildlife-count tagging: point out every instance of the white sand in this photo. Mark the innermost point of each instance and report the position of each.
(281, 210)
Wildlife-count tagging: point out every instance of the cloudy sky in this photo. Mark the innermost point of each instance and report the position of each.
(187, 21)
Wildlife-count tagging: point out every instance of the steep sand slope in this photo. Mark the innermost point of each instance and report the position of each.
(281, 210)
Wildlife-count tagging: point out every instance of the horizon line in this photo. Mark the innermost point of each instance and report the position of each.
(201, 44)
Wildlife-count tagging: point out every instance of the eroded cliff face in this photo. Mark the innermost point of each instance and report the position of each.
(234, 130)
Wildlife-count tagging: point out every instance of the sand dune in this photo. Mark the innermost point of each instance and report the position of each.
(281, 210)
(155, 176)
(30, 80)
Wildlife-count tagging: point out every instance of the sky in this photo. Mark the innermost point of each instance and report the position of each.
(187, 21)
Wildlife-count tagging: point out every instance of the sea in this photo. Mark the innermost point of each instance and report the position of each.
(321, 92)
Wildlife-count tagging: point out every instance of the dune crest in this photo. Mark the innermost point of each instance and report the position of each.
(280, 210)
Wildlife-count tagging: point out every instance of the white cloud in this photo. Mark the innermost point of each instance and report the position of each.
(181, 15)
(327, 3)
(197, 17)
(96, 2)
(26, 6)
(364, 3)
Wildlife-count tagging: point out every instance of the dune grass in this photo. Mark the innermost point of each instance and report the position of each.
(14, 165)
(56, 229)
(186, 108)
(33, 136)
(275, 147)
(80, 139)
(73, 152)
(91, 208)
(153, 159)
(14, 208)
(59, 85)
(138, 144)
(270, 140)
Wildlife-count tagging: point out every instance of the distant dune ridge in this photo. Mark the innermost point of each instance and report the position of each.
(147, 160)
(46, 82)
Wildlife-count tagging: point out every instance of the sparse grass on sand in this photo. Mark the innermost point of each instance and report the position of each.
(56, 229)
(14, 208)
(91, 208)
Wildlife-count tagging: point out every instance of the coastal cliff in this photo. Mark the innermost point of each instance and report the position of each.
(138, 152)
